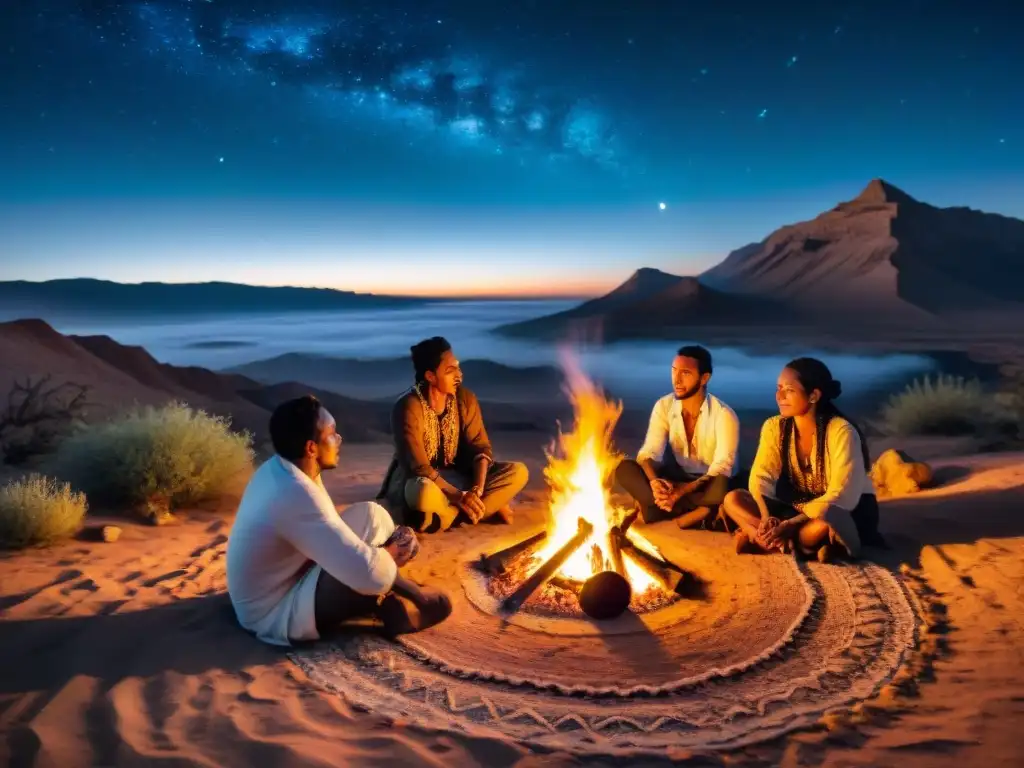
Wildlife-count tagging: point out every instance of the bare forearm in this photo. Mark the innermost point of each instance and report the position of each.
(447, 488)
(650, 468)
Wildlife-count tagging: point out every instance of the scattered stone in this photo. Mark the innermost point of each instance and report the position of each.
(161, 517)
(156, 510)
(896, 474)
(110, 533)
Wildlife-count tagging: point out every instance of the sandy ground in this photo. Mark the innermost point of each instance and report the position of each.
(127, 653)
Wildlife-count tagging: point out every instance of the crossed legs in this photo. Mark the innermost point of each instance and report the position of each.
(505, 479)
(691, 509)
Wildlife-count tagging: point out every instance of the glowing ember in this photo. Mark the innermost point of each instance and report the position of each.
(579, 472)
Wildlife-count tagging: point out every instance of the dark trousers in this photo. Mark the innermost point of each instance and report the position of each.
(631, 477)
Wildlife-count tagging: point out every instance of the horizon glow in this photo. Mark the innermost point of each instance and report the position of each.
(451, 149)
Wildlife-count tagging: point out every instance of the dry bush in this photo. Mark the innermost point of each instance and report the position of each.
(38, 510)
(37, 416)
(154, 459)
(1011, 399)
(948, 406)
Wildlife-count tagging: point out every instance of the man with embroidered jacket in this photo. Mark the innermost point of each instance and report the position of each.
(443, 463)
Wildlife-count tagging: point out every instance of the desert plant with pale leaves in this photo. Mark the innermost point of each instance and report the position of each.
(946, 405)
(39, 510)
(154, 459)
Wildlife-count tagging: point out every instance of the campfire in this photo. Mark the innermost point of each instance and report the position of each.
(589, 549)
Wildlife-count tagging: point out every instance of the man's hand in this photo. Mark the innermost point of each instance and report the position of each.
(676, 491)
(661, 489)
(402, 545)
(471, 503)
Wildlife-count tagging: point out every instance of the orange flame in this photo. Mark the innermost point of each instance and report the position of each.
(579, 474)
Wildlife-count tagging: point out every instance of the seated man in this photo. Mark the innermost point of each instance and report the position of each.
(809, 488)
(443, 462)
(689, 455)
(297, 568)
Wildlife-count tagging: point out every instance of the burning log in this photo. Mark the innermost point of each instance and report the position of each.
(497, 562)
(570, 584)
(667, 574)
(547, 569)
(615, 537)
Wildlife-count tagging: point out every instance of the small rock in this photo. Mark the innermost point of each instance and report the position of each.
(110, 533)
(160, 517)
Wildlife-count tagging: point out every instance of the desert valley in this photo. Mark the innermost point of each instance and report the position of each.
(119, 646)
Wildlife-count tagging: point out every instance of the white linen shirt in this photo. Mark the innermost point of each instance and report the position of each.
(287, 524)
(717, 437)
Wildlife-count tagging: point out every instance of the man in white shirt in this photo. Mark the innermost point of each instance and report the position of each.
(684, 468)
(295, 566)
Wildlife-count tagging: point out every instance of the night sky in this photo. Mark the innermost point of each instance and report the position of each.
(481, 147)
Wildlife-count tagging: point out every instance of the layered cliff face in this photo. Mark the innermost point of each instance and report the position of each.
(886, 254)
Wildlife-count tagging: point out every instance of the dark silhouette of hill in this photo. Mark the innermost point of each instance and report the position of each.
(386, 379)
(120, 376)
(883, 260)
(651, 303)
(103, 297)
(885, 256)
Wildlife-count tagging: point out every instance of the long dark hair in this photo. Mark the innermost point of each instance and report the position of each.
(815, 375)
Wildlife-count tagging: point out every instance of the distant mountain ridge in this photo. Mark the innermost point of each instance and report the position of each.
(650, 302)
(885, 254)
(386, 379)
(883, 259)
(104, 297)
(119, 376)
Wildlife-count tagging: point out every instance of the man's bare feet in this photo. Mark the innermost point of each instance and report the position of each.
(505, 514)
(402, 617)
(693, 518)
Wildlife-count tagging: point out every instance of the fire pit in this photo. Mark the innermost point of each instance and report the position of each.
(588, 557)
(628, 572)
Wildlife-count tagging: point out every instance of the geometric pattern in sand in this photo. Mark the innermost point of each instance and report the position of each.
(774, 646)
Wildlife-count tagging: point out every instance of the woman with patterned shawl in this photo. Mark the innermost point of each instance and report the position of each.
(443, 462)
(810, 489)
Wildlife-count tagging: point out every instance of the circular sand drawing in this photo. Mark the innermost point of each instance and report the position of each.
(769, 646)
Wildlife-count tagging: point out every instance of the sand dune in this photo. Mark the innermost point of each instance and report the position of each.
(126, 653)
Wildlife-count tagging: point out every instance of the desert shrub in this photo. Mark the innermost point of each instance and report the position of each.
(1011, 398)
(948, 406)
(37, 416)
(157, 458)
(38, 510)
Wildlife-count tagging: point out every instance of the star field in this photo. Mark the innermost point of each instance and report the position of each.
(666, 133)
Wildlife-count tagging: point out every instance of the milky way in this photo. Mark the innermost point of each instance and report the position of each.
(547, 131)
(408, 68)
